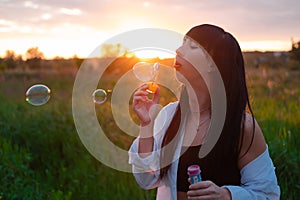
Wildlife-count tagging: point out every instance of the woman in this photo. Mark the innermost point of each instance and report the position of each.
(238, 165)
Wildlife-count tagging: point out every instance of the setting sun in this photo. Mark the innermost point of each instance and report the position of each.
(151, 53)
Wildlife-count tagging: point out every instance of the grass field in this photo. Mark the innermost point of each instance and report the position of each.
(42, 157)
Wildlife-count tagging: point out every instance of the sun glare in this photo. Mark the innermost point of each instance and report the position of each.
(150, 53)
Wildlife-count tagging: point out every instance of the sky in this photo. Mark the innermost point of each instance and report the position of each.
(76, 27)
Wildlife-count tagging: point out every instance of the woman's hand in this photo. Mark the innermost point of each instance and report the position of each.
(143, 106)
(207, 190)
(146, 110)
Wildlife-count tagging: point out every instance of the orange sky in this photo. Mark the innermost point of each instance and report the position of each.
(65, 28)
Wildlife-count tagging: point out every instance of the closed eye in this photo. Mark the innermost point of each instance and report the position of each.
(190, 42)
(193, 44)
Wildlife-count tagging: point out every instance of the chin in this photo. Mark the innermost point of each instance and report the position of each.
(181, 78)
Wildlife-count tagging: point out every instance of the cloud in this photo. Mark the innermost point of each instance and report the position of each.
(30, 4)
(67, 11)
(46, 16)
(249, 20)
(6, 25)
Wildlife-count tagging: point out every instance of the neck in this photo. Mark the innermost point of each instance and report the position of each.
(199, 103)
(200, 110)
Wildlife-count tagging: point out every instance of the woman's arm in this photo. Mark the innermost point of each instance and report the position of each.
(145, 168)
(253, 144)
(144, 153)
(258, 178)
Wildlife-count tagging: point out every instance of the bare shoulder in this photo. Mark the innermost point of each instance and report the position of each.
(253, 143)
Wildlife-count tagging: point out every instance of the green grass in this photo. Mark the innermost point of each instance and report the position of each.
(277, 110)
(42, 157)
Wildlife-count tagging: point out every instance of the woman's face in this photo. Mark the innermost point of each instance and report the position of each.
(190, 62)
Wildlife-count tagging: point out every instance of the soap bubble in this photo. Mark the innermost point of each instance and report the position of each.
(99, 96)
(38, 95)
(145, 71)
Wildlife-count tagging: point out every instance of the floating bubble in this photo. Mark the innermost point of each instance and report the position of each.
(99, 96)
(147, 72)
(144, 71)
(38, 95)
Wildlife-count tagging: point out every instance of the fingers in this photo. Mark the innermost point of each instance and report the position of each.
(139, 98)
(204, 190)
(200, 188)
(142, 92)
(198, 193)
(200, 185)
(140, 95)
(143, 87)
(143, 106)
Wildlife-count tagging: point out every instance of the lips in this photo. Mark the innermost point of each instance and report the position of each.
(177, 64)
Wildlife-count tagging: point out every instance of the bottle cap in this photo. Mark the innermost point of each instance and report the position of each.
(193, 170)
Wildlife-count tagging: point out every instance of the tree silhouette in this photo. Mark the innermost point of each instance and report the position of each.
(295, 52)
(34, 57)
(113, 50)
(9, 59)
(34, 53)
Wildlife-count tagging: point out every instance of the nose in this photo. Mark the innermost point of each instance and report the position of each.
(179, 51)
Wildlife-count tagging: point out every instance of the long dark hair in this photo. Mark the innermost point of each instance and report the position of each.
(226, 53)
